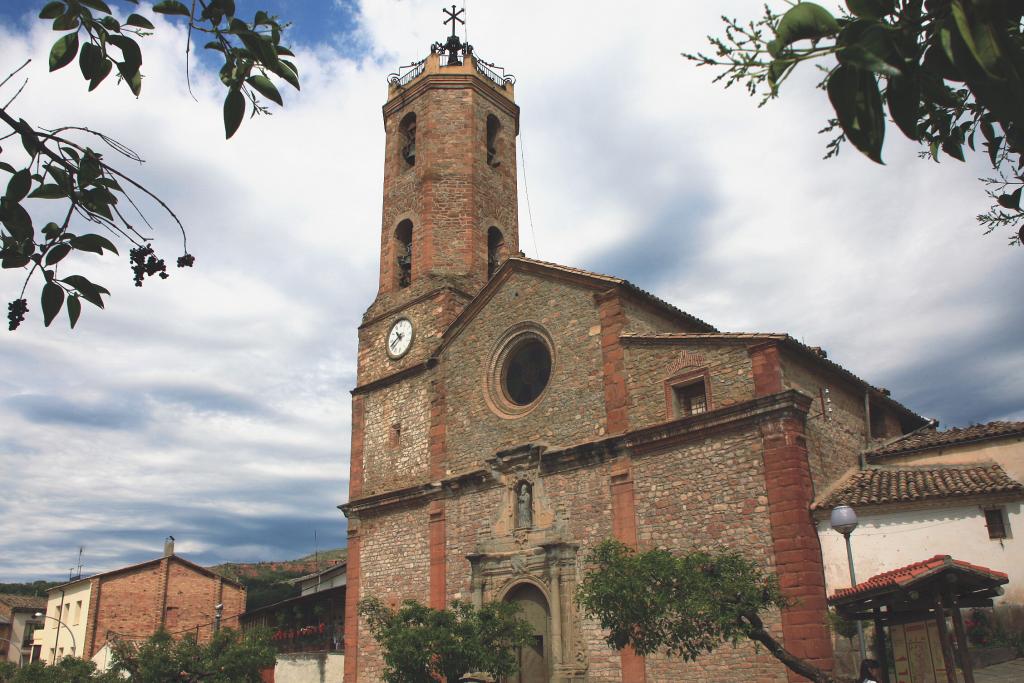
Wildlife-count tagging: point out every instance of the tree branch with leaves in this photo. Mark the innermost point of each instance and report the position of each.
(67, 164)
(685, 605)
(950, 73)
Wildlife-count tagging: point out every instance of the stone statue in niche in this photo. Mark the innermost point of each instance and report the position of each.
(524, 505)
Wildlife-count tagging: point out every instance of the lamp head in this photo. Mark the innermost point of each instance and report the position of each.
(843, 519)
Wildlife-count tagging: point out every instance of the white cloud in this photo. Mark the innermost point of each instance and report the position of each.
(226, 387)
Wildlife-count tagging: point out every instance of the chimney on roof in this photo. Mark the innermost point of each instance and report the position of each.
(168, 546)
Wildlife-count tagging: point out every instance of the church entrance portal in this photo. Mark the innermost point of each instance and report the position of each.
(533, 658)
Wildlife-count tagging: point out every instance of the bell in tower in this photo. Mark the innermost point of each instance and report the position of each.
(450, 210)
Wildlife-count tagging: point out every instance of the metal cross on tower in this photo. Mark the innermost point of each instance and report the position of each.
(453, 45)
(453, 17)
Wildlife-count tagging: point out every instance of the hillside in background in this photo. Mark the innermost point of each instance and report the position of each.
(28, 588)
(267, 582)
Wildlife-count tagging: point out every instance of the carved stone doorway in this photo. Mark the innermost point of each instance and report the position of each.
(534, 658)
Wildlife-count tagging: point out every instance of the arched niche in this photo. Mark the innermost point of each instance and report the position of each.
(496, 251)
(403, 253)
(407, 139)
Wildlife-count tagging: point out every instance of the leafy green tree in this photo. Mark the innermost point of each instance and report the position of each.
(229, 657)
(421, 644)
(67, 670)
(59, 166)
(950, 73)
(686, 605)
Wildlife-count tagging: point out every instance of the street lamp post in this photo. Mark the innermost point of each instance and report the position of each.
(74, 646)
(844, 520)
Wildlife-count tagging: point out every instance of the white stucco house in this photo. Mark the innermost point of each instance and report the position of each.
(956, 492)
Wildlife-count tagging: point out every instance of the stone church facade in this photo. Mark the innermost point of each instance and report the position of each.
(510, 414)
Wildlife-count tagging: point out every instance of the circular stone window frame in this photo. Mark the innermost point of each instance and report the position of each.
(496, 397)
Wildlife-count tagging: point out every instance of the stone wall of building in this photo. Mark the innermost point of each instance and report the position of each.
(709, 495)
(394, 566)
(395, 424)
(572, 407)
(650, 363)
(835, 439)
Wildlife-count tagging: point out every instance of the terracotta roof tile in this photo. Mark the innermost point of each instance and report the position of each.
(908, 574)
(933, 438)
(23, 601)
(878, 486)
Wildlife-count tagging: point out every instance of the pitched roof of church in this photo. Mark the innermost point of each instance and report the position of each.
(928, 439)
(882, 485)
(626, 284)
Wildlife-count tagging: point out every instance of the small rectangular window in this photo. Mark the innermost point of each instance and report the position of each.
(78, 612)
(995, 520)
(691, 399)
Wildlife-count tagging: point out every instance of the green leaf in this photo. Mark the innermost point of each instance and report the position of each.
(234, 111)
(97, 5)
(63, 51)
(871, 9)
(111, 24)
(66, 22)
(52, 299)
(29, 139)
(17, 221)
(18, 186)
(51, 10)
(93, 243)
(51, 230)
(74, 309)
(49, 191)
(1010, 201)
(4, 166)
(104, 71)
(90, 60)
(171, 7)
(57, 252)
(803, 21)
(90, 292)
(858, 105)
(953, 147)
(980, 37)
(265, 87)
(131, 52)
(139, 21)
(869, 46)
(287, 71)
(777, 71)
(903, 95)
(131, 76)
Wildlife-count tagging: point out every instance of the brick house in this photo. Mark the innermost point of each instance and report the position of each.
(510, 413)
(133, 602)
(17, 624)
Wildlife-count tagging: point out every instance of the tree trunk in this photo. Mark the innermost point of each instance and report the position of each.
(757, 632)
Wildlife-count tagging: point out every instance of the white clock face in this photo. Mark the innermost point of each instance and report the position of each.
(399, 338)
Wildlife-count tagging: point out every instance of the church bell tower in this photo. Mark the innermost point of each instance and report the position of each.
(450, 206)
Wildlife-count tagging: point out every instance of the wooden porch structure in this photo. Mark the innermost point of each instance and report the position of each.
(930, 590)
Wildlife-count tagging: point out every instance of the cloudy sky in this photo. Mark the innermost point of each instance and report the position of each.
(214, 406)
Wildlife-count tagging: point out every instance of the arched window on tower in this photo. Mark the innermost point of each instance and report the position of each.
(495, 250)
(403, 252)
(407, 138)
(493, 128)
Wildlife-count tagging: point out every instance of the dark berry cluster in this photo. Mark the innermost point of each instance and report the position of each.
(144, 262)
(186, 261)
(16, 311)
